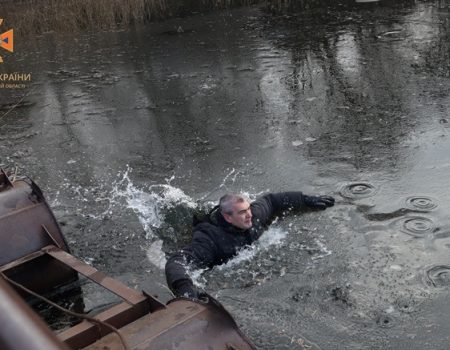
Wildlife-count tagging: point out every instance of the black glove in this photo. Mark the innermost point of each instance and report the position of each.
(318, 202)
(185, 288)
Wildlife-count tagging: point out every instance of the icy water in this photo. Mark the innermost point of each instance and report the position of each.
(129, 132)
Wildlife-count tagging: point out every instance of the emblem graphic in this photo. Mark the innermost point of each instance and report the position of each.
(6, 40)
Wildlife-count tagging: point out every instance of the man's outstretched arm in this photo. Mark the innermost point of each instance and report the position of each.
(201, 253)
(273, 204)
(297, 200)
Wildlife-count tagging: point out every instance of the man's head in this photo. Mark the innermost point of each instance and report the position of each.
(235, 209)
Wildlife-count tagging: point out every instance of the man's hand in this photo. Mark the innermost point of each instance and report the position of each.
(185, 288)
(319, 202)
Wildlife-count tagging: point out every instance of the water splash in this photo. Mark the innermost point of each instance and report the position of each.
(196, 276)
(223, 184)
(151, 203)
(274, 236)
(323, 249)
(155, 254)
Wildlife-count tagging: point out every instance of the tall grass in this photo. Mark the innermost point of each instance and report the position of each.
(38, 16)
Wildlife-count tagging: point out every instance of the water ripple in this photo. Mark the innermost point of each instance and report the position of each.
(416, 226)
(421, 203)
(438, 276)
(384, 321)
(407, 305)
(357, 190)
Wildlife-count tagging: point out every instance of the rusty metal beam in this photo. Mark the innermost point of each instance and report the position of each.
(55, 242)
(39, 272)
(85, 333)
(116, 287)
(22, 260)
(20, 327)
(135, 306)
(21, 232)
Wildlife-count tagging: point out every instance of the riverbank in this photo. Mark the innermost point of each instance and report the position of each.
(35, 17)
(40, 16)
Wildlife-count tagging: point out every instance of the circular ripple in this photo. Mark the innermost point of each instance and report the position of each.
(439, 276)
(385, 321)
(417, 226)
(421, 203)
(407, 305)
(357, 190)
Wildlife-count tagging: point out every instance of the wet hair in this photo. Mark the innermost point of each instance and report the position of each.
(227, 201)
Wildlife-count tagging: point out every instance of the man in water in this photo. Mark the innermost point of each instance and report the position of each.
(233, 224)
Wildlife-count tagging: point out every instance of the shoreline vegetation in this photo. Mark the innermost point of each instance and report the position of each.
(29, 17)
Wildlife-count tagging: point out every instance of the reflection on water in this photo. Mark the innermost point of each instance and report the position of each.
(351, 102)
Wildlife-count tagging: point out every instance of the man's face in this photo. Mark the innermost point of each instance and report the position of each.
(241, 216)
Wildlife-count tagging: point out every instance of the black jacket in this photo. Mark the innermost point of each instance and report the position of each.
(215, 241)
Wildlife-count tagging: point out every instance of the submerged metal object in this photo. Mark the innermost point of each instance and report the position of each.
(34, 253)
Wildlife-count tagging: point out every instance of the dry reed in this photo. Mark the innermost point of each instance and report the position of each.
(38, 16)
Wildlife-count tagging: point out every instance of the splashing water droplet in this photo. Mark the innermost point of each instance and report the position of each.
(151, 204)
(274, 236)
(155, 254)
(148, 204)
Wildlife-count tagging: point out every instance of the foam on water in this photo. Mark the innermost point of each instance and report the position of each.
(196, 276)
(155, 254)
(270, 238)
(323, 249)
(274, 236)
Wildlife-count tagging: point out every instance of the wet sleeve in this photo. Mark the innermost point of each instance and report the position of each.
(201, 253)
(272, 204)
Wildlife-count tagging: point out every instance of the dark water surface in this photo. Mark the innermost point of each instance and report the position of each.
(127, 132)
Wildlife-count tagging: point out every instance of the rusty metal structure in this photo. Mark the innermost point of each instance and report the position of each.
(34, 255)
(26, 226)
